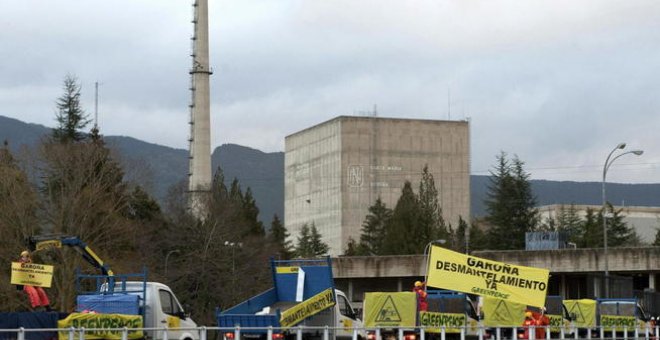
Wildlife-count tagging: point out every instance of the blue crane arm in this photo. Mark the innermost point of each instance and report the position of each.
(36, 243)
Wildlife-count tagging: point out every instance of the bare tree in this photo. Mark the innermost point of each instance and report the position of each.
(18, 220)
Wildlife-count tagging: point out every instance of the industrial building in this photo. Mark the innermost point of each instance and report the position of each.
(336, 170)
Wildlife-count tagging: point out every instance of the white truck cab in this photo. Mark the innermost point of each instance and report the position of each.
(162, 309)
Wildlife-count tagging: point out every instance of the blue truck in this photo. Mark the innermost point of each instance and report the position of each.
(303, 294)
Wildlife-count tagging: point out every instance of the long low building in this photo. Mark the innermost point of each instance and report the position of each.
(575, 273)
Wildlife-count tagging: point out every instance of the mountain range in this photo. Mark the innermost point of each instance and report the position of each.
(158, 168)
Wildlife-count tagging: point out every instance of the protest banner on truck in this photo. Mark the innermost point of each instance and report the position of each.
(102, 326)
(307, 308)
(470, 274)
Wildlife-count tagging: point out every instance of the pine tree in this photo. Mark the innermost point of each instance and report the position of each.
(478, 239)
(220, 193)
(618, 232)
(402, 230)
(235, 192)
(304, 244)
(354, 248)
(461, 237)
(373, 229)
(592, 230)
(71, 118)
(279, 236)
(510, 205)
(142, 207)
(251, 213)
(432, 225)
(525, 214)
(317, 245)
(570, 223)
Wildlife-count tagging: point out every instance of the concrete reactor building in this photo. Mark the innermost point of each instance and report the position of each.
(334, 171)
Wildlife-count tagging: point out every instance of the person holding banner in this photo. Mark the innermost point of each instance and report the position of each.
(542, 321)
(529, 322)
(422, 304)
(37, 295)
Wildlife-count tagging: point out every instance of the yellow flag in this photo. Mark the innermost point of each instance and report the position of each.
(469, 274)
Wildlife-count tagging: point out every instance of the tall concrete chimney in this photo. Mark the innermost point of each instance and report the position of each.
(199, 174)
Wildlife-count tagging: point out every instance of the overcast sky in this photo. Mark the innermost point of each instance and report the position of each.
(559, 83)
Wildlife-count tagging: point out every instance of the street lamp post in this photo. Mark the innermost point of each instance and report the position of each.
(233, 246)
(167, 257)
(607, 165)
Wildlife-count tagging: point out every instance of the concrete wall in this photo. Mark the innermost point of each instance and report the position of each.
(312, 182)
(371, 157)
(589, 260)
(575, 273)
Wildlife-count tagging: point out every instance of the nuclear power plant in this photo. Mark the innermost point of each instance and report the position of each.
(334, 171)
(199, 174)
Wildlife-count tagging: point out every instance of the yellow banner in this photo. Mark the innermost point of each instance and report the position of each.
(453, 322)
(286, 270)
(31, 274)
(47, 244)
(618, 322)
(307, 308)
(390, 309)
(502, 313)
(582, 312)
(469, 274)
(102, 326)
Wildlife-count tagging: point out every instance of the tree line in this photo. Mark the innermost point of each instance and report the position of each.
(73, 184)
(416, 220)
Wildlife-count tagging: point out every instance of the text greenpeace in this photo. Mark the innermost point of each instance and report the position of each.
(452, 322)
(102, 326)
(469, 274)
(307, 308)
(617, 322)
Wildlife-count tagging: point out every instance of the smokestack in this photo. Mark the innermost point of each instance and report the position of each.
(199, 174)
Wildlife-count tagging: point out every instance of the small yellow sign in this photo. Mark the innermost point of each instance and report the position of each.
(287, 270)
(102, 326)
(307, 308)
(31, 274)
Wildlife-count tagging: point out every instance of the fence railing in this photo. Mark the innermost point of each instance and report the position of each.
(329, 333)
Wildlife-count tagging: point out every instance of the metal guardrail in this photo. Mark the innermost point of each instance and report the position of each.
(327, 333)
